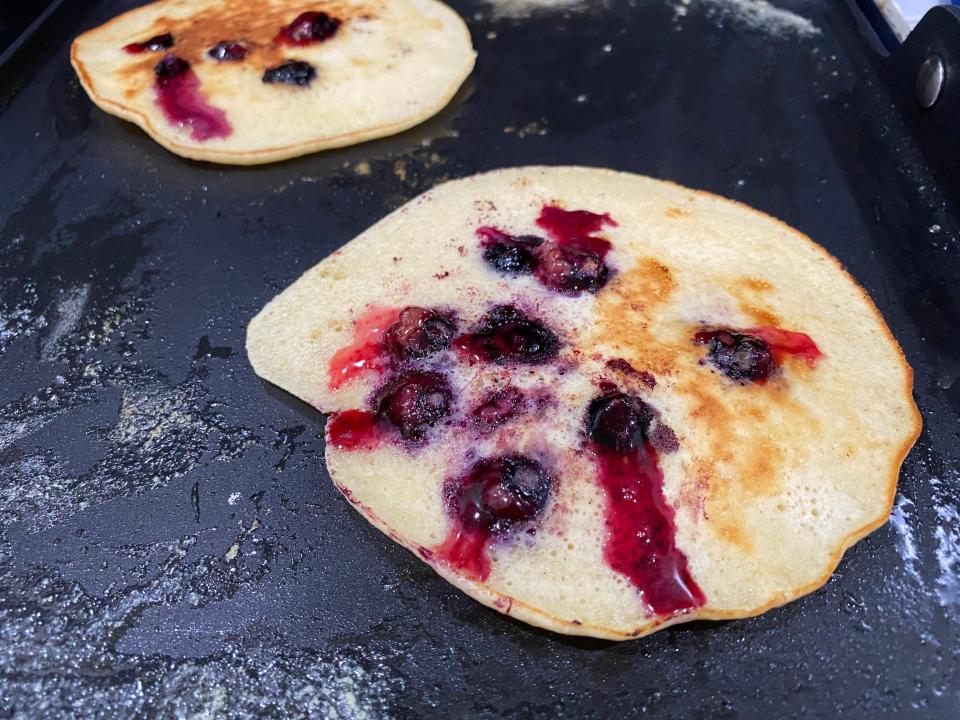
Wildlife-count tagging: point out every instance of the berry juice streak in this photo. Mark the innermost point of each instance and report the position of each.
(366, 352)
(573, 228)
(787, 342)
(642, 535)
(353, 430)
(183, 104)
(465, 550)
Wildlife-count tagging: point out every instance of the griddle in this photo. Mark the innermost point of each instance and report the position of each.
(170, 543)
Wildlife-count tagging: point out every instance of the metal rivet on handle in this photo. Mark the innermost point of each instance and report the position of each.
(930, 81)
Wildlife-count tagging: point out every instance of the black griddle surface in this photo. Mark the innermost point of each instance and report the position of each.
(169, 540)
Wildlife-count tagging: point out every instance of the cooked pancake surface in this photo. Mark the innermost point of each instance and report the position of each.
(288, 78)
(771, 408)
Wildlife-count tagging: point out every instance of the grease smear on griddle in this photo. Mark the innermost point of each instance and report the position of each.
(91, 652)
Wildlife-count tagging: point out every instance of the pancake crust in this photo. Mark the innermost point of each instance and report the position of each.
(771, 483)
(391, 65)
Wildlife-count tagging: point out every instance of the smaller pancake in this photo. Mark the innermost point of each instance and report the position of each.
(256, 81)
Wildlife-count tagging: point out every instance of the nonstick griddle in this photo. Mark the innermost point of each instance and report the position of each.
(170, 543)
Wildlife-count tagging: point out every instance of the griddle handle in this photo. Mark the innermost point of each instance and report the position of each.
(911, 75)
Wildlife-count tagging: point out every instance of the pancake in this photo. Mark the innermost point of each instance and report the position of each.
(598, 402)
(256, 81)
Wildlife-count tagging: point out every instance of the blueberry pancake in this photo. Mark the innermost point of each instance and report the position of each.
(598, 402)
(255, 81)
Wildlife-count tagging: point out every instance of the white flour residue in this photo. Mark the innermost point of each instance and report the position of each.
(301, 684)
(69, 309)
(13, 430)
(757, 15)
(947, 536)
(900, 519)
(36, 490)
(525, 8)
(23, 319)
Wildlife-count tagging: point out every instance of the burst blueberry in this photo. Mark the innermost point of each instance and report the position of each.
(497, 407)
(154, 44)
(419, 332)
(498, 493)
(170, 67)
(309, 27)
(571, 270)
(226, 50)
(507, 335)
(737, 355)
(618, 421)
(414, 402)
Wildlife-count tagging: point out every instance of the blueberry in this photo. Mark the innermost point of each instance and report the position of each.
(227, 50)
(618, 421)
(418, 332)
(292, 72)
(414, 402)
(571, 270)
(499, 492)
(506, 335)
(309, 27)
(510, 254)
(170, 67)
(154, 44)
(738, 356)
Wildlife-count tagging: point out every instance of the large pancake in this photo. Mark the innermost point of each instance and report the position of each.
(390, 65)
(771, 482)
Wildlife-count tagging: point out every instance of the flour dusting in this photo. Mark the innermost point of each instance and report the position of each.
(526, 8)
(947, 536)
(757, 15)
(901, 519)
(21, 318)
(69, 311)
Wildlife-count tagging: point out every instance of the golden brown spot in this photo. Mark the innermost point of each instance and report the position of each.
(144, 64)
(735, 461)
(694, 487)
(761, 316)
(749, 292)
(754, 413)
(734, 534)
(759, 467)
(628, 308)
(677, 213)
(757, 284)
